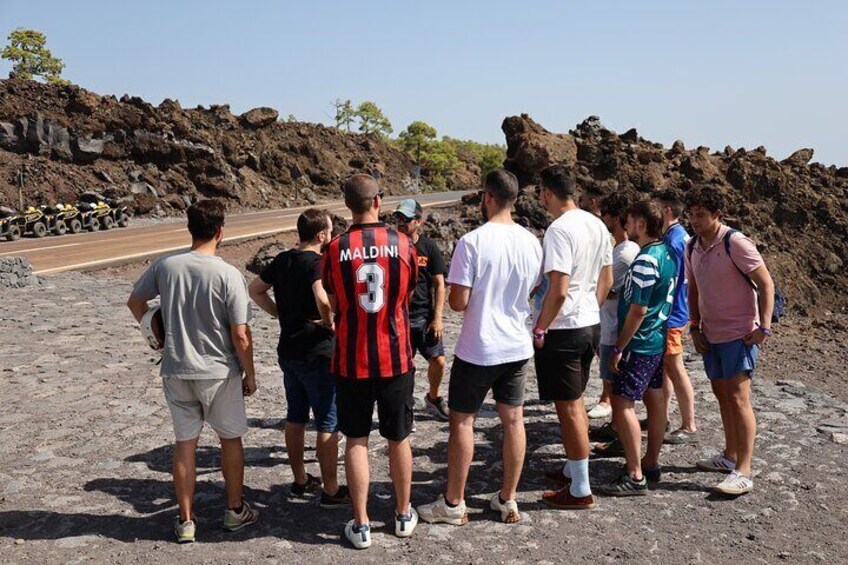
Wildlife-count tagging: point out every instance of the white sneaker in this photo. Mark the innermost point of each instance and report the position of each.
(405, 523)
(735, 484)
(359, 536)
(509, 509)
(184, 530)
(439, 511)
(600, 411)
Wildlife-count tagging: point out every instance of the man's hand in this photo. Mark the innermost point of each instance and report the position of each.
(700, 341)
(756, 337)
(615, 358)
(248, 385)
(539, 343)
(436, 327)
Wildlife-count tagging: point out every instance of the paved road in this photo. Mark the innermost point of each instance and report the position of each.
(98, 249)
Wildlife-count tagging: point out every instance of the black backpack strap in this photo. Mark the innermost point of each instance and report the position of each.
(727, 237)
(690, 246)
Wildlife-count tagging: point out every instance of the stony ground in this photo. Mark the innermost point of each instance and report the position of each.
(85, 460)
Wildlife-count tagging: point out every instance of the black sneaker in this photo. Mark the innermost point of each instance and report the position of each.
(339, 500)
(625, 486)
(603, 433)
(437, 407)
(653, 474)
(311, 486)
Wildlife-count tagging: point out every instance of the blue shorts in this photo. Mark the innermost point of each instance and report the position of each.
(723, 361)
(310, 386)
(605, 354)
(636, 374)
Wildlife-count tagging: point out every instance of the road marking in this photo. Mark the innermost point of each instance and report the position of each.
(126, 258)
(38, 248)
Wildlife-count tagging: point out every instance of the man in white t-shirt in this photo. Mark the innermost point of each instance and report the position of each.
(493, 271)
(578, 265)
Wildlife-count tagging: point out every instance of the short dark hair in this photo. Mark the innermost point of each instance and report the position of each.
(559, 180)
(649, 211)
(706, 196)
(670, 197)
(616, 205)
(503, 186)
(359, 191)
(205, 218)
(310, 223)
(594, 190)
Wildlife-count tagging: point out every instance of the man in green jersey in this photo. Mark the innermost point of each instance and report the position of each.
(637, 359)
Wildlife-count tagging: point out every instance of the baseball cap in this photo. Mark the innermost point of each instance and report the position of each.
(410, 208)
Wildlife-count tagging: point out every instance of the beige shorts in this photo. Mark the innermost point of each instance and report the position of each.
(220, 402)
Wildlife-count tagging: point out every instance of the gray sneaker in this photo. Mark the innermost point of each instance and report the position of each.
(234, 522)
(184, 530)
(437, 407)
(681, 436)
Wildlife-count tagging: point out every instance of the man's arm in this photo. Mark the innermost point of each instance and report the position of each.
(138, 306)
(554, 299)
(698, 338)
(322, 300)
(605, 282)
(243, 344)
(459, 297)
(258, 290)
(437, 325)
(632, 322)
(765, 285)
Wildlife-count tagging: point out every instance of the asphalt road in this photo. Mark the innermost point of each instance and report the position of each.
(122, 245)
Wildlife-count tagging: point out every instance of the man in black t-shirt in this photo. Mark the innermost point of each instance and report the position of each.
(306, 343)
(427, 304)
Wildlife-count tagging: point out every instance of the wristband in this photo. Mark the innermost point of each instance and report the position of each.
(617, 351)
(764, 331)
(538, 333)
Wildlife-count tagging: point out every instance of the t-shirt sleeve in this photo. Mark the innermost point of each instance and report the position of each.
(645, 275)
(317, 268)
(147, 287)
(608, 245)
(558, 252)
(238, 305)
(463, 265)
(413, 266)
(267, 274)
(622, 264)
(327, 273)
(744, 253)
(437, 262)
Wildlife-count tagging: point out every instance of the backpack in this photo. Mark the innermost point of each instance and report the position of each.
(779, 297)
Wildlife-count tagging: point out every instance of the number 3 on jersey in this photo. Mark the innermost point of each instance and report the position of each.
(374, 277)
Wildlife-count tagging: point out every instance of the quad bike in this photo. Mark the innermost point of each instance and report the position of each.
(35, 222)
(61, 219)
(12, 224)
(95, 209)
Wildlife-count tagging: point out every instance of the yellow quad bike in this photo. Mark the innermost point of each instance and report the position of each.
(35, 222)
(12, 224)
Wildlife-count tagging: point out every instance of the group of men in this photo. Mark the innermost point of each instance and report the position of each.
(608, 280)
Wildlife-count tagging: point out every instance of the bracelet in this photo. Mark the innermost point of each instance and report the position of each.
(617, 351)
(693, 327)
(764, 331)
(538, 333)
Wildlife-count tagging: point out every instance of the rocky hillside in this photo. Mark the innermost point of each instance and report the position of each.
(796, 211)
(160, 158)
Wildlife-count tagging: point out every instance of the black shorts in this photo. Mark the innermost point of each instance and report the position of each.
(425, 343)
(469, 384)
(355, 400)
(562, 365)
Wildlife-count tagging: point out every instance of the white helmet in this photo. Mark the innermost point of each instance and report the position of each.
(153, 328)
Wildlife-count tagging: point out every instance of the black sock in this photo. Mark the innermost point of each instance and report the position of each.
(451, 505)
(238, 510)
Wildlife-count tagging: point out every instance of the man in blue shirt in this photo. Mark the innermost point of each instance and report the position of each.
(676, 378)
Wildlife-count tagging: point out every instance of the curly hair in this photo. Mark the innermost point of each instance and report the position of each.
(649, 211)
(616, 205)
(706, 196)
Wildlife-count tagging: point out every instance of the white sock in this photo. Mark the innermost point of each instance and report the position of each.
(579, 478)
(566, 469)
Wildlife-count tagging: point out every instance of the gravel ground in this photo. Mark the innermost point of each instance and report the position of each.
(86, 445)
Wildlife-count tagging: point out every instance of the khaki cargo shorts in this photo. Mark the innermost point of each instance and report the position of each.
(219, 402)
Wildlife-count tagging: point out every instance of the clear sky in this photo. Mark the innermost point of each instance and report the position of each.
(743, 73)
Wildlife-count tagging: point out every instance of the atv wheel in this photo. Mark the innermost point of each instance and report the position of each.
(39, 229)
(94, 225)
(124, 220)
(14, 233)
(108, 223)
(61, 228)
(75, 226)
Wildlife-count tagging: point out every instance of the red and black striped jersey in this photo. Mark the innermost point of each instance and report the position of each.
(371, 269)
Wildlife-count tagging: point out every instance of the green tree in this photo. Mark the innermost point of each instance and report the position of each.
(490, 157)
(30, 57)
(439, 161)
(416, 138)
(372, 120)
(345, 113)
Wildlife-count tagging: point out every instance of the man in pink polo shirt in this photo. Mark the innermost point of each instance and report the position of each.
(730, 321)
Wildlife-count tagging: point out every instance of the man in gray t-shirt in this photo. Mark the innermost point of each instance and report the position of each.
(207, 347)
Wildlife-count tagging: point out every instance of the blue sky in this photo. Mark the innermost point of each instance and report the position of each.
(710, 73)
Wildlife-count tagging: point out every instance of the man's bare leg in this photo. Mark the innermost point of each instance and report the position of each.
(358, 471)
(739, 396)
(435, 374)
(232, 466)
(514, 448)
(677, 378)
(460, 454)
(327, 451)
(295, 436)
(184, 475)
(400, 469)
